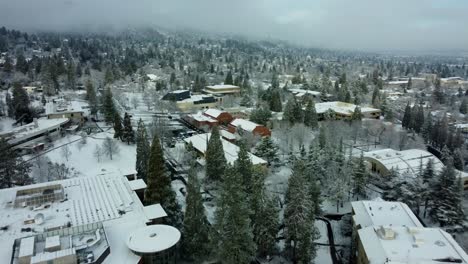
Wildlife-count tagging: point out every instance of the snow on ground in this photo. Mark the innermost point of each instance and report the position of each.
(82, 156)
(6, 123)
(323, 255)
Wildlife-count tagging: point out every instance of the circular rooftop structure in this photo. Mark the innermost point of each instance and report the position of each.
(153, 239)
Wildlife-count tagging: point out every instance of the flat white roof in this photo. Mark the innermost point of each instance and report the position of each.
(26, 247)
(376, 213)
(154, 211)
(410, 245)
(48, 256)
(52, 241)
(153, 238)
(138, 184)
(63, 107)
(231, 151)
(222, 87)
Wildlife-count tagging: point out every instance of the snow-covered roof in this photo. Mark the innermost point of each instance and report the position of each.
(301, 92)
(461, 126)
(106, 199)
(152, 77)
(398, 82)
(222, 87)
(37, 127)
(154, 211)
(405, 161)
(202, 118)
(195, 98)
(342, 108)
(138, 184)
(62, 107)
(231, 151)
(376, 213)
(409, 245)
(179, 91)
(153, 238)
(244, 124)
(213, 112)
(227, 135)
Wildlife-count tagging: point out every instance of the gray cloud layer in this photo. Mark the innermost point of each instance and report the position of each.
(349, 24)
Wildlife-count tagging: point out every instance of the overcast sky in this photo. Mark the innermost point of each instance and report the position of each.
(345, 24)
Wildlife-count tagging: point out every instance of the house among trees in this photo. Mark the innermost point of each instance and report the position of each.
(389, 232)
(240, 126)
(342, 110)
(408, 162)
(222, 117)
(231, 151)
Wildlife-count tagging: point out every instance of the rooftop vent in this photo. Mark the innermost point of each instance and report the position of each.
(386, 233)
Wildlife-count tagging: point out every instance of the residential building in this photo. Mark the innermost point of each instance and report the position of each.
(222, 117)
(200, 142)
(241, 126)
(201, 121)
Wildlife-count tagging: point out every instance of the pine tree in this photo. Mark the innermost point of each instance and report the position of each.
(195, 229)
(267, 150)
(214, 156)
(419, 119)
(142, 150)
(360, 177)
(159, 188)
(299, 217)
(235, 241)
(426, 129)
(21, 104)
(447, 190)
(376, 97)
(229, 79)
(405, 123)
(264, 214)
(244, 167)
(14, 171)
(310, 115)
(464, 106)
(357, 115)
(118, 130)
(108, 106)
(128, 135)
(91, 97)
(275, 101)
(428, 177)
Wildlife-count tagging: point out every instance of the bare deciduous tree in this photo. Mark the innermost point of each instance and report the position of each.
(110, 147)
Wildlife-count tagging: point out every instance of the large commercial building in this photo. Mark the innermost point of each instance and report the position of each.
(186, 101)
(30, 135)
(82, 220)
(343, 110)
(58, 109)
(389, 232)
(222, 89)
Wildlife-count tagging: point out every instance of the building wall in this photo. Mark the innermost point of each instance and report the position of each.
(76, 117)
(186, 106)
(224, 118)
(262, 131)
